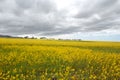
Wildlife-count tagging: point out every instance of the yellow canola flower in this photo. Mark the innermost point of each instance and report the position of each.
(31, 59)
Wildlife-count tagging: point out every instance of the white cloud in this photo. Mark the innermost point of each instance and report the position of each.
(59, 17)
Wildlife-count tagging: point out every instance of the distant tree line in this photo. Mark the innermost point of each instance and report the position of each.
(27, 37)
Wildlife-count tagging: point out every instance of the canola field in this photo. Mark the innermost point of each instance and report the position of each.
(32, 59)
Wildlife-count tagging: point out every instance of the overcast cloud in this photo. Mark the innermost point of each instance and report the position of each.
(58, 17)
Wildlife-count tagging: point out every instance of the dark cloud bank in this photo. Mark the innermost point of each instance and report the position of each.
(19, 17)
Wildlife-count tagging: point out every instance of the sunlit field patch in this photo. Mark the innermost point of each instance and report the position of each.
(31, 59)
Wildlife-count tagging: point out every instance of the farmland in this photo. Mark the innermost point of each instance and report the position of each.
(32, 59)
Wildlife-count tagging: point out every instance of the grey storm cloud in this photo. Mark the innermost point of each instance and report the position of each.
(96, 6)
(19, 17)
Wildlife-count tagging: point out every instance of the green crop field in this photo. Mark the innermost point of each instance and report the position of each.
(33, 59)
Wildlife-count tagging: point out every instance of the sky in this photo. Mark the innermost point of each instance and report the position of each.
(67, 19)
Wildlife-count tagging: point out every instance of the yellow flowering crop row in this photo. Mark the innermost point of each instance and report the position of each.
(30, 59)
